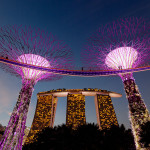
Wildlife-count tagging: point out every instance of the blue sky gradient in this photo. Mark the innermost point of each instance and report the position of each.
(72, 21)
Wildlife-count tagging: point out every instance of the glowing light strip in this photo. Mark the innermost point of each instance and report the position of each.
(75, 72)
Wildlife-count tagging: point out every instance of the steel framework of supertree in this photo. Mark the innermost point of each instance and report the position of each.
(34, 47)
(122, 45)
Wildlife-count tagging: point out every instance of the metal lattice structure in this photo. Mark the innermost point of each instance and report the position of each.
(122, 45)
(33, 47)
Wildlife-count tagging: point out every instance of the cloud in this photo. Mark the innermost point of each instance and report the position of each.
(9, 113)
(8, 96)
(141, 9)
(9, 91)
(30, 115)
(5, 97)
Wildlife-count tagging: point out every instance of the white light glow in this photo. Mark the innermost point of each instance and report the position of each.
(36, 60)
(121, 58)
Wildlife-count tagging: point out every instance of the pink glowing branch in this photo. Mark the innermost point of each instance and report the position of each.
(18, 40)
(32, 47)
(121, 45)
(129, 32)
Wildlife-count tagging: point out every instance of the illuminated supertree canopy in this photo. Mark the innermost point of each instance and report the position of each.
(121, 58)
(32, 47)
(33, 60)
(129, 33)
(122, 45)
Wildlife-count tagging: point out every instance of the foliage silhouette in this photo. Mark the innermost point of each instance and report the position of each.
(2, 129)
(85, 137)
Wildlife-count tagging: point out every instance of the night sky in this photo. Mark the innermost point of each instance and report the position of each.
(72, 21)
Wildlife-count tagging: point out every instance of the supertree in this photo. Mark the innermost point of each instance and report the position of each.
(34, 47)
(118, 46)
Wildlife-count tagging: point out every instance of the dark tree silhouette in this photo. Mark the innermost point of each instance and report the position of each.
(118, 138)
(85, 137)
(2, 129)
(145, 134)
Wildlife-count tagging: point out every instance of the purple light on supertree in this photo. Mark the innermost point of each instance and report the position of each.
(34, 47)
(33, 59)
(123, 44)
(121, 58)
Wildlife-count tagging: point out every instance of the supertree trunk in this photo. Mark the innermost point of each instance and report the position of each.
(138, 112)
(13, 136)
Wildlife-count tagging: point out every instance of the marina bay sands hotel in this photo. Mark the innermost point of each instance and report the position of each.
(75, 114)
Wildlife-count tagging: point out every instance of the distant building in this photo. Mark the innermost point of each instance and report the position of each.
(44, 115)
(75, 110)
(105, 112)
(75, 116)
